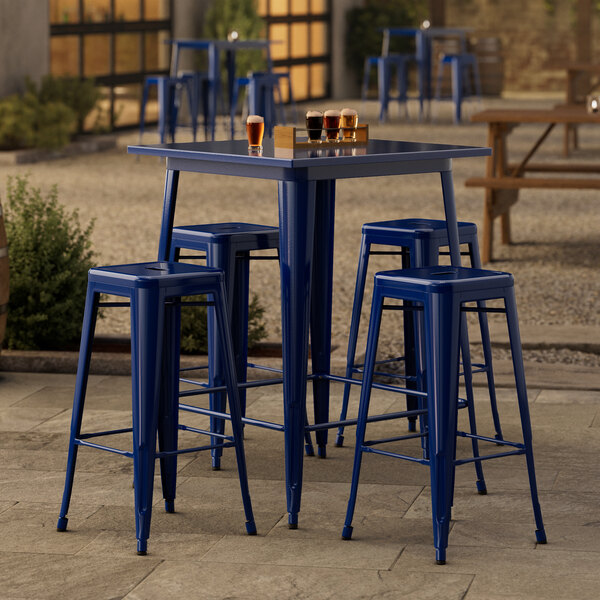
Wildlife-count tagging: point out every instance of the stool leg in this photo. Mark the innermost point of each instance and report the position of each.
(363, 410)
(442, 327)
(468, 376)
(486, 345)
(457, 88)
(147, 323)
(168, 422)
(83, 367)
(359, 291)
(383, 83)
(220, 256)
(410, 361)
(239, 299)
(234, 403)
(517, 358)
(145, 93)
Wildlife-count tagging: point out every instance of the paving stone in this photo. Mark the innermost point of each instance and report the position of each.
(97, 397)
(339, 554)
(18, 418)
(50, 577)
(210, 521)
(577, 508)
(584, 480)
(31, 527)
(512, 562)
(569, 397)
(176, 579)
(489, 534)
(93, 420)
(32, 440)
(532, 586)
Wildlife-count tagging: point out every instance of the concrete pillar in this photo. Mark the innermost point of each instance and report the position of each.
(343, 83)
(24, 43)
(188, 22)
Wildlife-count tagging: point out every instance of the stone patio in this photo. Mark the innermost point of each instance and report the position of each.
(202, 551)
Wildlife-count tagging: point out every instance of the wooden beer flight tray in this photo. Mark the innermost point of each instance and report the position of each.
(285, 137)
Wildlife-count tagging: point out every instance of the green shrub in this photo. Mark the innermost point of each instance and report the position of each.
(80, 95)
(50, 255)
(363, 35)
(241, 15)
(25, 122)
(194, 337)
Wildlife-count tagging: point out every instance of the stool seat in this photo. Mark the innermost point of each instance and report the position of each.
(153, 290)
(401, 229)
(445, 279)
(245, 236)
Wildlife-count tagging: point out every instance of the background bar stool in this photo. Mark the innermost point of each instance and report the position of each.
(421, 241)
(228, 247)
(441, 291)
(169, 100)
(385, 64)
(154, 290)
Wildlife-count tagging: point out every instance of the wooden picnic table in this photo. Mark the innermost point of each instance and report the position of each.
(503, 179)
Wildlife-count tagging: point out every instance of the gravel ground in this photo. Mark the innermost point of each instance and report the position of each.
(556, 233)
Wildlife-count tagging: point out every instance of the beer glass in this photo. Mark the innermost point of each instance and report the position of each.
(314, 125)
(331, 122)
(255, 128)
(349, 123)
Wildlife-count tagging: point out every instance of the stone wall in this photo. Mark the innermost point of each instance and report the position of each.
(24, 43)
(535, 41)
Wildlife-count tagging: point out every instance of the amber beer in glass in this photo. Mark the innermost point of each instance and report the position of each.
(255, 128)
(331, 122)
(314, 125)
(349, 121)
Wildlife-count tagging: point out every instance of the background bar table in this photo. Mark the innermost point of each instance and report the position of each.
(306, 190)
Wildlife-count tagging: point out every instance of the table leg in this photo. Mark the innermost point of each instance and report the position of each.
(322, 292)
(214, 77)
(296, 235)
(169, 201)
(451, 220)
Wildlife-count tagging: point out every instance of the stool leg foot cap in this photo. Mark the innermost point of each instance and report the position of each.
(170, 506)
(293, 521)
(339, 442)
(440, 556)
(540, 536)
(310, 451)
(251, 527)
(347, 532)
(62, 524)
(142, 547)
(440, 562)
(322, 451)
(481, 487)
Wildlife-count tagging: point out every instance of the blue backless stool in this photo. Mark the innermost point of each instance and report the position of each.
(154, 290)
(229, 247)
(385, 66)
(422, 242)
(440, 293)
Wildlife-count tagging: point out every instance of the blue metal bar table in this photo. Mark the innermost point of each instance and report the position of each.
(424, 37)
(306, 190)
(214, 48)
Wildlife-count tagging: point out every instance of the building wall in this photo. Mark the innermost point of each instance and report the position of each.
(24, 43)
(535, 40)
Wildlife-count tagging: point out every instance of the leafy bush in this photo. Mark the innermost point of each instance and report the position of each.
(194, 336)
(25, 122)
(363, 35)
(241, 15)
(80, 95)
(50, 255)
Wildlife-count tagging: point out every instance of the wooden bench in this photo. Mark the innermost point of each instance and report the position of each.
(503, 180)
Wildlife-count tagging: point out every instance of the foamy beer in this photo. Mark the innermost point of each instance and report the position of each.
(349, 123)
(314, 125)
(255, 128)
(331, 122)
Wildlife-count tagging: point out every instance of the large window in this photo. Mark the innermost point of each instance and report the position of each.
(301, 29)
(117, 42)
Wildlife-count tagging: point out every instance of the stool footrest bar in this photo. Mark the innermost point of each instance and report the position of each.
(113, 304)
(196, 449)
(464, 461)
(126, 453)
(484, 438)
(371, 419)
(421, 461)
(264, 368)
(85, 436)
(221, 436)
(225, 416)
(394, 439)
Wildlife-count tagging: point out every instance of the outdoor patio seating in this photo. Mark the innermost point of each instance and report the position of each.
(420, 243)
(154, 290)
(440, 293)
